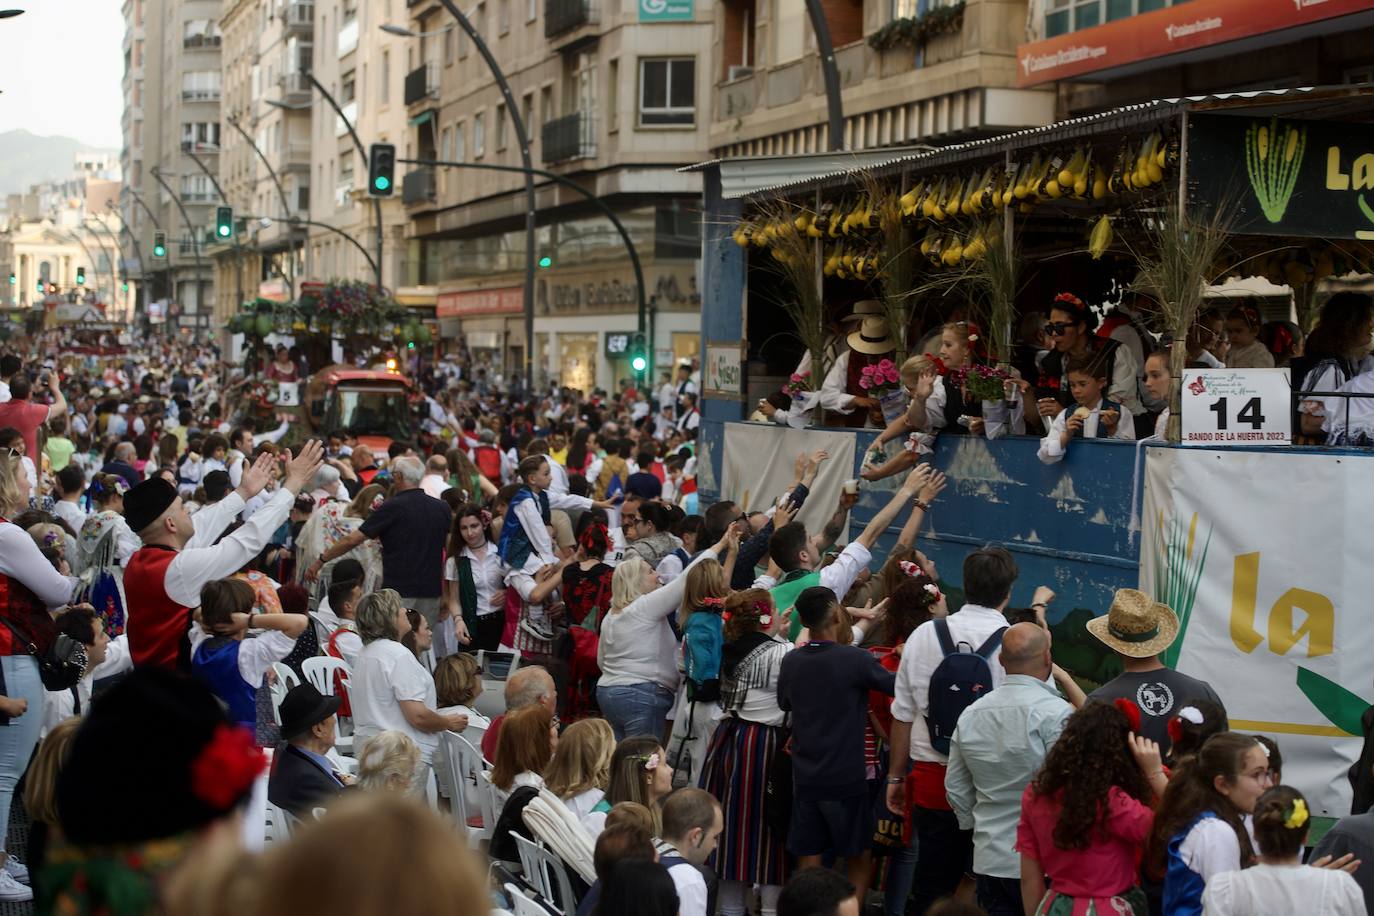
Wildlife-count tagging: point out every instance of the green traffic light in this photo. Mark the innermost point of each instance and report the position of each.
(381, 183)
(546, 262)
(224, 232)
(159, 251)
(639, 363)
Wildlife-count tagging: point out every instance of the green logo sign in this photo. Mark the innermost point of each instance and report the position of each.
(1273, 159)
(665, 10)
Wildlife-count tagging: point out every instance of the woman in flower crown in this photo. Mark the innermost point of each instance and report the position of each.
(1070, 333)
(640, 773)
(743, 752)
(1278, 883)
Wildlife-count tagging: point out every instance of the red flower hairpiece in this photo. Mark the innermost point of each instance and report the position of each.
(1175, 729)
(939, 363)
(726, 616)
(713, 602)
(1130, 711)
(1071, 299)
(226, 767)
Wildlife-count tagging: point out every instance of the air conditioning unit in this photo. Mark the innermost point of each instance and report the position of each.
(738, 72)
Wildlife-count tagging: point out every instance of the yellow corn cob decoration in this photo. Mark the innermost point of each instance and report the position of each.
(1100, 238)
(1263, 143)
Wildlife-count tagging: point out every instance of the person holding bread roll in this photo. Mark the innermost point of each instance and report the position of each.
(1093, 418)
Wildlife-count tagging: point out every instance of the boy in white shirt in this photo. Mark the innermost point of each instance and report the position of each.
(1094, 418)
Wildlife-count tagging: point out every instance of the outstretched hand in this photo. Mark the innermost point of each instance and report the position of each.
(916, 479)
(301, 469)
(256, 476)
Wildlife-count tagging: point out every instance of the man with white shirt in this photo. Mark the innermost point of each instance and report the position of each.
(692, 823)
(667, 397)
(71, 481)
(435, 481)
(798, 555)
(179, 556)
(105, 657)
(691, 417)
(9, 365)
(945, 849)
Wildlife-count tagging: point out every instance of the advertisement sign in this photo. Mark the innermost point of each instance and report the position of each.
(1172, 30)
(1272, 602)
(1283, 177)
(1237, 407)
(508, 300)
(722, 373)
(665, 10)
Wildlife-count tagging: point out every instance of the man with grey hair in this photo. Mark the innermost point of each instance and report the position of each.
(435, 480)
(413, 527)
(526, 687)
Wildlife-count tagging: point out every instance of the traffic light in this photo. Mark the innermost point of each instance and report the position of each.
(123, 287)
(81, 276)
(545, 262)
(381, 170)
(13, 280)
(159, 244)
(639, 355)
(224, 223)
(42, 286)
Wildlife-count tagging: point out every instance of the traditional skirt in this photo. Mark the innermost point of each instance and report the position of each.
(1127, 903)
(736, 771)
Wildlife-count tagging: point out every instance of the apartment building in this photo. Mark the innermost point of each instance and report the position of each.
(611, 96)
(171, 85)
(910, 72)
(363, 68)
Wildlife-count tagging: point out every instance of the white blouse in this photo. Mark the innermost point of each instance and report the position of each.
(486, 576)
(1279, 890)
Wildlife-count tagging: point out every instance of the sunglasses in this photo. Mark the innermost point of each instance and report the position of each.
(1056, 328)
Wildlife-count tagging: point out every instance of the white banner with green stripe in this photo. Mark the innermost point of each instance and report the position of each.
(1263, 556)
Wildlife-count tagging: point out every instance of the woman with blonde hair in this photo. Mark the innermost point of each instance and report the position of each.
(390, 689)
(412, 864)
(40, 793)
(580, 771)
(708, 585)
(388, 762)
(637, 650)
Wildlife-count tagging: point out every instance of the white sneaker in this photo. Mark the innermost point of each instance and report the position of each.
(17, 870)
(11, 890)
(539, 629)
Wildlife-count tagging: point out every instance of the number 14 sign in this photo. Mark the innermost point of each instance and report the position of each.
(1237, 407)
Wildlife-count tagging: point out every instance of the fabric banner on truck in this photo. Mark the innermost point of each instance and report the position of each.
(1273, 602)
(758, 468)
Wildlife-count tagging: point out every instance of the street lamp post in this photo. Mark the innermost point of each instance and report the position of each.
(268, 220)
(290, 278)
(522, 139)
(190, 229)
(238, 250)
(138, 253)
(138, 199)
(114, 276)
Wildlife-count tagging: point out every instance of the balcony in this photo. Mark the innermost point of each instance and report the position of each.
(562, 16)
(299, 17)
(348, 37)
(295, 88)
(199, 42)
(350, 116)
(200, 149)
(343, 194)
(296, 155)
(419, 186)
(200, 95)
(196, 197)
(570, 137)
(422, 83)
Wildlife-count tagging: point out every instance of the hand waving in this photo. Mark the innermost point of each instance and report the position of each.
(300, 470)
(256, 476)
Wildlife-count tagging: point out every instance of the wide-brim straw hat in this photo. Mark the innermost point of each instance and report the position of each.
(864, 308)
(1136, 626)
(873, 337)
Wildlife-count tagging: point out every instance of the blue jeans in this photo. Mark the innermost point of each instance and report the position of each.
(635, 709)
(901, 871)
(17, 740)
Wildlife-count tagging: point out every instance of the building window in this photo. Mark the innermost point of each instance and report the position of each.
(503, 16)
(348, 88)
(200, 86)
(448, 46)
(790, 28)
(531, 10)
(460, 147)
(201, 33)
(500, 127)
(613, 102)
(527, 114)
(479, 135)
(667, 91)
(677, 233)
(200, 134)
(446, 144)
(738, 50)
(1063, 16)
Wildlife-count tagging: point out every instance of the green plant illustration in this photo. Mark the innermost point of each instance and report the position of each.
(1177, 573)
(1273, 159)
(1341, 707)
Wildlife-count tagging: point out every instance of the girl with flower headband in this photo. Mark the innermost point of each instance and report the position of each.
(1243, 324)
(1279, 884)
(640, 773)
(1070, 333)
(473, 609)
(743, 750)
(1087, 813)
(106, 543)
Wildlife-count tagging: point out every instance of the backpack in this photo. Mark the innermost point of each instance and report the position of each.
(962, 676)
(488, 461)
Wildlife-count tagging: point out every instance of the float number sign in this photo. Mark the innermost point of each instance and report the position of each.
(1237, 407)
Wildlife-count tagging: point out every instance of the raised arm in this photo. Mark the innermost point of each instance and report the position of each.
(931, 489)
(879, 523)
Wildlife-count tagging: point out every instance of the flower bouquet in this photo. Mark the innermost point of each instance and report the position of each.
(799, 383)
(981, 383)
(880, 381)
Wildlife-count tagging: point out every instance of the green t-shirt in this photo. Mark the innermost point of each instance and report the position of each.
(59, 450)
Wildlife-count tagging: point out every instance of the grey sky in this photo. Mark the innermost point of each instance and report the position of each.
(61, 68)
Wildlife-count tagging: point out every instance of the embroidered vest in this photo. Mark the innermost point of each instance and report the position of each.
(216, 664)
(158, 629)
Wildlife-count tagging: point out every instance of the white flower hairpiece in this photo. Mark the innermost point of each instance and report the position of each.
(651, 763)
(765, 620)
(1190, 714)
(909, 568)
(933, 589)
(972, 338)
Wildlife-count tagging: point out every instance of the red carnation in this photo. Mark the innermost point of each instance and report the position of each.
(226, 767)
(1175, 729)
(1130, 711)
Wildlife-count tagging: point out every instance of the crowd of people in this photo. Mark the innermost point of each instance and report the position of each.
(521, 638)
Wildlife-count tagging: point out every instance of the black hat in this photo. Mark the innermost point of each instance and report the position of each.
(163, 739)
(217, 485)
(145, 503)
(303, 707)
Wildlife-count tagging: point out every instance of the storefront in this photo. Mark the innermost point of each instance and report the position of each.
(489, 321)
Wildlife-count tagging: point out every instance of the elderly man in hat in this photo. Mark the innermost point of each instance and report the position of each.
(832, 394)
(303, 777)
(1138, 629)
(163, 579)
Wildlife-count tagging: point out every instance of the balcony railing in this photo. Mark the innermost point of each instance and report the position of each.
(196, 197)
(570, 137)
(200, 95)
(194, 42)
(348, 37)
(422, 83)
(299, 16)
(565, 15)
(295, 87)
(419, 186)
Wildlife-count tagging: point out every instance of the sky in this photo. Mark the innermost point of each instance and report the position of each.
(61, 67)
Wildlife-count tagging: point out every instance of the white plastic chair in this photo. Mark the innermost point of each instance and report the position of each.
(320, 671)
(491, 802)
(524, 906)
(452, 764)
(546, 873)
(285, 680)
(278, 825)
(469, 760)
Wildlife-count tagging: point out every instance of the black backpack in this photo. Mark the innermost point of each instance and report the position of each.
(963, 675)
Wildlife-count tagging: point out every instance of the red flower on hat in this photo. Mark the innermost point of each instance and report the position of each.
(226, 767)
(1175, 729)
(1130, 711)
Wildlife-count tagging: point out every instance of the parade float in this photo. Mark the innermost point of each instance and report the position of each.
(1181, 201)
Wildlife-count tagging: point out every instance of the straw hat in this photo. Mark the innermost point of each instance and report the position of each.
(873, 337)
(1136, 625)
(864, 308)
